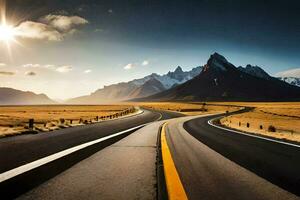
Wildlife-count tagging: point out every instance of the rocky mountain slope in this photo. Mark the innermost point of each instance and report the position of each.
(222, 81)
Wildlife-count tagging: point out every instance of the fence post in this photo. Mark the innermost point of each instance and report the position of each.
(31, 123)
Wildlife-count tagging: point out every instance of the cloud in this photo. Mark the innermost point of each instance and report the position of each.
(36, 30)
(128, 66)
(145, 62)
(7, 73)
(289, 73)
(31, 65)
(63, 23)
(30, 73)
(50, 27)
(87, 71)
(2, 64)
(64, 69)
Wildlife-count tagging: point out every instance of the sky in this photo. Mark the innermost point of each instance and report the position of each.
(68, 48)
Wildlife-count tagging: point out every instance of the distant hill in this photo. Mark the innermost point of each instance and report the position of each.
(137, 88)
(9, 96)
(222, 81)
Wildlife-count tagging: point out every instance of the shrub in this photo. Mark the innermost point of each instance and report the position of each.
(271, 128)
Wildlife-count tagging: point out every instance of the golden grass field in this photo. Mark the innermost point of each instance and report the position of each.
(14, 119)
(285, 117)
(190, 108)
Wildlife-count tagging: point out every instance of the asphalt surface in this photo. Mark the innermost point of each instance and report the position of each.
(275, 162)
(20, 150)
(207, 174)
(123, 170)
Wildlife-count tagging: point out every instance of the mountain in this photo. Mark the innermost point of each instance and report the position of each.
(137, 88)
(259, 72)
(291, 80)
(222, 81)
(255, 71)
(150, 87)
(9, 96)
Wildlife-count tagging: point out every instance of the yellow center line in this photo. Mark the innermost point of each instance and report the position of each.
(174, 186)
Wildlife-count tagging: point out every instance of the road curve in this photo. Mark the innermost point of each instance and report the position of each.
(20, 150)
(276, 162)
(217, 164)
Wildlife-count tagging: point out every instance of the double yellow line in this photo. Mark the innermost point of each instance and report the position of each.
(174, 186)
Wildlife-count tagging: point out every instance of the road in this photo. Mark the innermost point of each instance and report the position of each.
(20, 150)
(219, 164)
(123, 170)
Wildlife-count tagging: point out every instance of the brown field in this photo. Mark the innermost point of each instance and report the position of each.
(285, 117)
(187, 108)
(14, 119)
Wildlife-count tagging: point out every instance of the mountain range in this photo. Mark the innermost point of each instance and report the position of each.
(222, 81)
(9, 96)
(218, 80)
(138, 88)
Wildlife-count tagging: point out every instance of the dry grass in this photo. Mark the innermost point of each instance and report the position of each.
(189, 108)
(285, 117)
(14, 119)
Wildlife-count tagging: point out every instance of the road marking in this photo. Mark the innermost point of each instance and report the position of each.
(174, 186)
(250, 135)
(35, 164)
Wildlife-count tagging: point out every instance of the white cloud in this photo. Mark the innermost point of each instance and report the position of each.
(36, 30)
(63, 23)
(64, 69)
(30, 73)
(145, 62)
(289, 73)
(31, 65)
(128, 66)
(2, 64)
(87, 71)
(50, 27)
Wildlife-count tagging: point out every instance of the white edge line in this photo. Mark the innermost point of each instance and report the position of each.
(37, 163)
(250, 135)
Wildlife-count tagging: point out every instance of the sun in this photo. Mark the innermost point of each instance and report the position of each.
(7, 33)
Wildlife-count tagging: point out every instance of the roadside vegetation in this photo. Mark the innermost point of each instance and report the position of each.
(191, 108)
(278, 120)
(15, 119)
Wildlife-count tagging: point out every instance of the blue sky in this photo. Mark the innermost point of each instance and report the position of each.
(75, 47)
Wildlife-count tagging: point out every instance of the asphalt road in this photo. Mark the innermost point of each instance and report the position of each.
(277, 163)
(20, 150)
(123, 170)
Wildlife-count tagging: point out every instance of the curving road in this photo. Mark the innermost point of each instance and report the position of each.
(20, 150)
(220, 164)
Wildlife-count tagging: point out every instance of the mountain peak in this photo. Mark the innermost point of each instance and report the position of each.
(218, 57)
(255, 71)
(178, 70)
(218, 62)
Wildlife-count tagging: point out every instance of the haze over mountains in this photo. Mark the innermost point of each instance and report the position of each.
(138, 88)
(218, 80)
(9, 96)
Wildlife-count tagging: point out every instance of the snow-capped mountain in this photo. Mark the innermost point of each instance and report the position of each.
(255, 71)
(222, 81)
(138, 88)
(291, 80)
